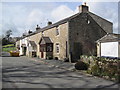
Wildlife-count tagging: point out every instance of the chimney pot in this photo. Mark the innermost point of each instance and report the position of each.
(49, 23)
(29, 32)
(37, 28)
(85, 3)
(83, 8)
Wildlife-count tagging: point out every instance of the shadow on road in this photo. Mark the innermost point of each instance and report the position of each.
(27, 74)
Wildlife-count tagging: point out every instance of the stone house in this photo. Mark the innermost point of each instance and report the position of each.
(109, 46)
(70, 37)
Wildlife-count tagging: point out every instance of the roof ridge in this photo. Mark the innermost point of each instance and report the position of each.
(54, 24)
(100, 17)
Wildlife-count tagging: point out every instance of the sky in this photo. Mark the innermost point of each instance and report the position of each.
(21, 17)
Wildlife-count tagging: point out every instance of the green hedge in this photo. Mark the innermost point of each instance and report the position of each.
(8, 48)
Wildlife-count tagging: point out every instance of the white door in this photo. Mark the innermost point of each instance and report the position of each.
(109, 49)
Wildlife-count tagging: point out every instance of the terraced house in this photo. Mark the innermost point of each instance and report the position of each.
(68, 38)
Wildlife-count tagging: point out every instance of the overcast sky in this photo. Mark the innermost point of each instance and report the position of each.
(23, 16)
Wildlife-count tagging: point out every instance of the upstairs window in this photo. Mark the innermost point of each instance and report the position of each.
(57, 48)
(88, 21)
(57, 31)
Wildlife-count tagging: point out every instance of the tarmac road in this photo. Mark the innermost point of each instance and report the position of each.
(23, 72)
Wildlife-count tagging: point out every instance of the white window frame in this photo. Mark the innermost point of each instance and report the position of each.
(57, 45)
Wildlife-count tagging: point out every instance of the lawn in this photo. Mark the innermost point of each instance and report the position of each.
(8, 48)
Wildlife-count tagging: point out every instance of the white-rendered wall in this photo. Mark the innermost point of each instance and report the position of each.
(21, 47)
(109, 49)
(23, 41)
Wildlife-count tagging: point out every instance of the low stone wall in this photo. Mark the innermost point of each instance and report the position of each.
(103, 67)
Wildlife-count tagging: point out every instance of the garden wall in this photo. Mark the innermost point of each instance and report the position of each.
(103, 67)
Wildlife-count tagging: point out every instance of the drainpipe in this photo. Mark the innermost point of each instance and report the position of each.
(68, 44)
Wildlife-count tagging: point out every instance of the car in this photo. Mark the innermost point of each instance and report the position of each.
(14, 53)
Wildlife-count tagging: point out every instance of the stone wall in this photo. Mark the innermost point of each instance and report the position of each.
(61, 39)
(104, 67)
(83, 32)
(36, 38)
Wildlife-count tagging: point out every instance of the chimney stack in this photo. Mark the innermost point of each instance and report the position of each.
(83, 8)
(37, 28)
(49, 23)
(29, 32)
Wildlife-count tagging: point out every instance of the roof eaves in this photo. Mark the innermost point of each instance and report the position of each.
(114, 39)
(53, 25)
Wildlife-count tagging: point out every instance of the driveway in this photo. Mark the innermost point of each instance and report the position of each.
(23, 72)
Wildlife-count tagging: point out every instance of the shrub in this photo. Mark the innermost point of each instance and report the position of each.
(80, 65)
(95, 70)
(56, 58)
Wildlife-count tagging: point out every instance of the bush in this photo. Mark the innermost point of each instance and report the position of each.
(95, 70)
(103, 67)
(56, 58)
(81, 65)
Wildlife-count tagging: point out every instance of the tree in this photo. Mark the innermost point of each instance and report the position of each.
(6, 37)
(8, 33)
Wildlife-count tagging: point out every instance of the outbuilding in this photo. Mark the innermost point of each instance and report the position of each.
(109, 46)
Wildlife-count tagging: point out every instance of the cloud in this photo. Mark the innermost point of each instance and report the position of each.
(13, 17)
(107, 10)
(61, 12)
(25, 16)
(35, 17)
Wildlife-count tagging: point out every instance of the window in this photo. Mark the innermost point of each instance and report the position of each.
(88, 21)
(49, 48)
(57, 31)
(57, 48)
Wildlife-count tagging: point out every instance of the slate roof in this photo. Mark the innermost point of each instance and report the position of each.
(64, 21)
(32, 43)
(110, 37)
(46, 40)
(54, 25)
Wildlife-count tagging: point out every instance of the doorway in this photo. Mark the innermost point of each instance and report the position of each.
(42, 54)
(24, 51)
(77, 50)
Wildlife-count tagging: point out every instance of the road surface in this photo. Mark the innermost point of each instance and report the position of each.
(23, 72)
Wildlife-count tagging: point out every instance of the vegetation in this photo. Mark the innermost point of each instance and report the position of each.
(81, 65)
(9, 45)
(103, 67)
(6, 39)
(8, 48)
